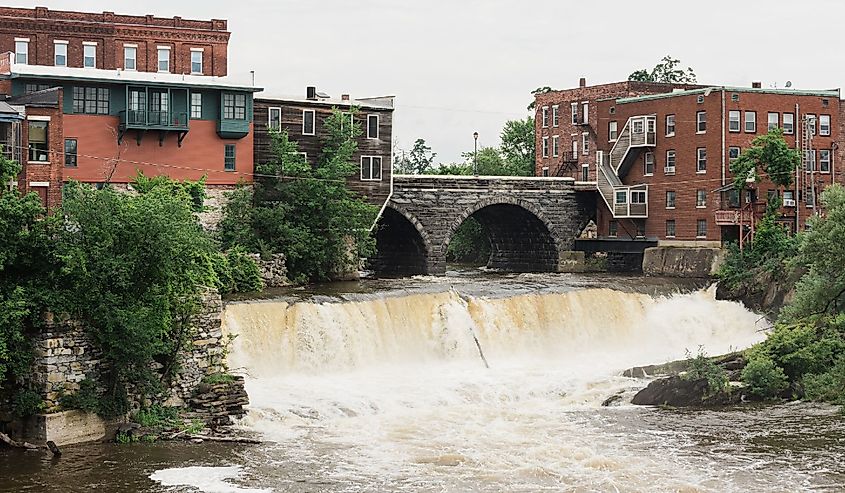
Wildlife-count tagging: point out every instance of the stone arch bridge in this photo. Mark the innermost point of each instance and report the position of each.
(532, 222)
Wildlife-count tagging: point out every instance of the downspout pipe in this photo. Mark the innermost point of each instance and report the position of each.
(386, 201)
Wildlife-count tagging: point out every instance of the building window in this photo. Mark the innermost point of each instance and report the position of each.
(545, 116)
(788, 123)
(372, 126)
(555, 116)
(70, 153)
(574, 108)
(164, 59)
(670, 199)
(274, 119)
(774, 121)
(196, 105)
(91, 100)
(234, 106)
(612, 229)
(545, 171)
(649, 164)
(824, 160)
(229, 157)
(701, 228)
(89, 55)
(585, 143)
(733, 121)
(31, 88)
(670, 228)
(824, 124)
(555, 146)
(701, 121)
(670, 125)
(640, 229)
(307, 122)
(196, 61)
(612, 131)
(545, 147)
(585, 172)
(575, 150)
(585, 110)
(701, 198)
(810, 197)
(638, 196)
(810, 160)
(60, 53)
(130, 57)
(670, 163)
(733, 154)
(788, 198)
(38, 148)
(750, 122)
(370, 168)
(701, 161)
(811, 119)
(621, 197)
(21, 50)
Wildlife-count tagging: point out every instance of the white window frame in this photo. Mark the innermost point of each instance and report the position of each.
(823, 125)
(313, 122)
(648, 156)
(769, 123)
(192, 106)
(56, 44)
(638, 197)
(670, 169)
(674, 199)
(545, 149)
(612, 131)
(574, 149)
(89, 45)
(574, 109)
(738, 152)
(545, 116)
(370, 117)
(24, 54)
(612, 232)
(813, 122)
(585, 143)
(270, 118)
(791, 129)
(159, 51)
(126, 49)
(752, 121)
(371, 158)
(698, 203)
(585, 109)
(823, 152)
(699, 121)
(697, 224)
(201, 53)
(555, 146)
(556, 116)
(674, 228)
(734, 117)
(668, 118)
(699, 158)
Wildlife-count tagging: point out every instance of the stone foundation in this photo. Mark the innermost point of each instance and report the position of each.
(682, 261)
(215, 200)
(274, 272)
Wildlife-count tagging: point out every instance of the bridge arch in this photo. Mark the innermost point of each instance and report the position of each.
(403, 246)
(522, 238)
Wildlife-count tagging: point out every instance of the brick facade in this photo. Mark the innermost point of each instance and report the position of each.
(110, 31)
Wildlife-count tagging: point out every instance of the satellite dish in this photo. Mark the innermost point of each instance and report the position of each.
(789, 83)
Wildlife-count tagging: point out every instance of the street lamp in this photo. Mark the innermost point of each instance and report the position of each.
(475, 155)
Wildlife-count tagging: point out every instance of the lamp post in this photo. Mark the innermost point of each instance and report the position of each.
(475, 155)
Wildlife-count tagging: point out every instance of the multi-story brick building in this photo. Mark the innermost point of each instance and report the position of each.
(103, 96)
(303, 117)
(660, 160)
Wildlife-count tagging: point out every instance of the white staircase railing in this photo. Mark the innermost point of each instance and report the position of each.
(638, 132)
(623, 201)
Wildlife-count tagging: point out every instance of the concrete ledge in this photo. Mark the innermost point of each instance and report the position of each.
(682, 261)
(572, 261)
(67, 428)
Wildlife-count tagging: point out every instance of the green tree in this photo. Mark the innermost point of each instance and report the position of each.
(306, 212)
(518, 146)
(421, 158)
(667, 71)
(769, 154)
(535, 92)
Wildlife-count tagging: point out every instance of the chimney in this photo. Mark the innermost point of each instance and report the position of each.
(582, 82)
(311, 93)
(344, 98)
(756, 84)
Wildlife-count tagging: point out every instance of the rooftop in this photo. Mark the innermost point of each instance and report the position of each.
(18, 70)
(39, 13)
(830, 93)
(378, 103)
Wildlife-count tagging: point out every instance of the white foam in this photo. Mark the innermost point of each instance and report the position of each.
(205, 479)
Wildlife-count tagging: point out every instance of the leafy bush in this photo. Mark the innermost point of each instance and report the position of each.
(236, 272)
(194, 190)
(469, 244)
(764, 378)
(216, 378)
(26, 403)
(701, 367)
(157, 416)
(828, 386)
(87, 398)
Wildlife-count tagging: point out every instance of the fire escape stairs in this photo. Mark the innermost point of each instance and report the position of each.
(626, 201)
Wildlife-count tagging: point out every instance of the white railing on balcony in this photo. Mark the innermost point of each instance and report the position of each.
(624, 201)
(639, 131)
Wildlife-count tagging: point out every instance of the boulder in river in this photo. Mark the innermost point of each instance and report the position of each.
(677, 391)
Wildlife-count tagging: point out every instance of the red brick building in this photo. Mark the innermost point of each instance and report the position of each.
(104, 96)
(659, 155)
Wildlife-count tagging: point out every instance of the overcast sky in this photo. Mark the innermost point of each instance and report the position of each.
(459, 66)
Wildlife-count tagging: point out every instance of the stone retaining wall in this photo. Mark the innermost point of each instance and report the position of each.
(682, 261)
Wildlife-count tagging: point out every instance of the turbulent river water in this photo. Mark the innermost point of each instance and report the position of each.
(385, 386)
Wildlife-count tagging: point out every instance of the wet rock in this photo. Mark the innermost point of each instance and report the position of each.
(613, 400)
(676, 391)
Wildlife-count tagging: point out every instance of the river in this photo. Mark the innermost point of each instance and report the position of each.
(384, 385)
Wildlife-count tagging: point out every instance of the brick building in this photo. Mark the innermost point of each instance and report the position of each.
(659, 155)
(303, 119)
(103, 96)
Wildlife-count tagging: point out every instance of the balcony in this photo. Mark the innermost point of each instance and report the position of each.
(153, 120)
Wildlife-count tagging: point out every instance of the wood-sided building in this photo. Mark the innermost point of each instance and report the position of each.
(303, 118)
